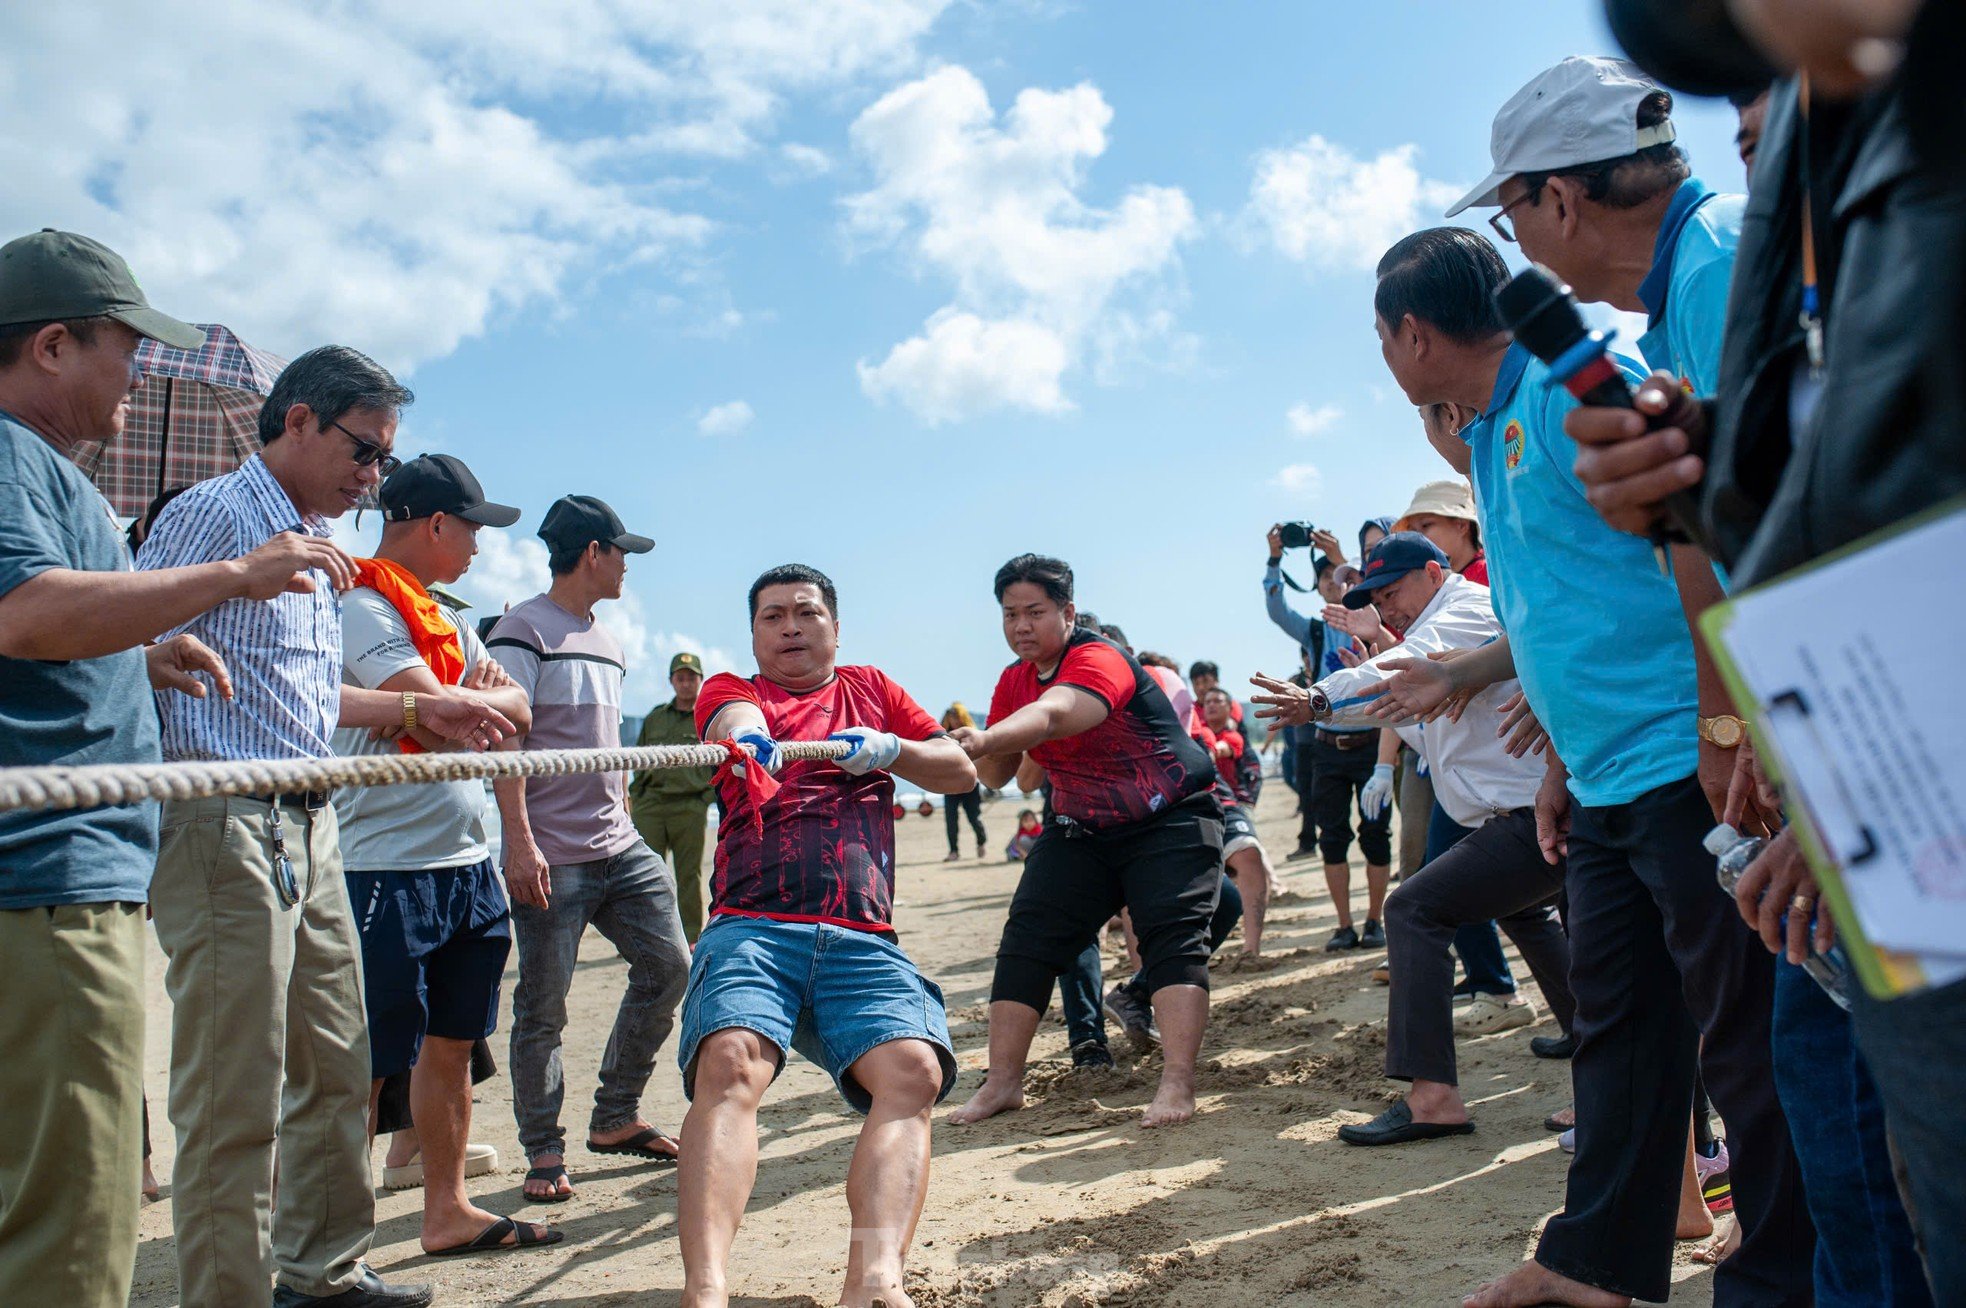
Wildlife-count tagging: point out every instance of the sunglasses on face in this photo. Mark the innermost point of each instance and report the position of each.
(367, 452)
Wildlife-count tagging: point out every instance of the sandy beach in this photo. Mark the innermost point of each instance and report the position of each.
(1068, 1203)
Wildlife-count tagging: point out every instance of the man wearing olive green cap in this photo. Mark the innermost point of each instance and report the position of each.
(77, 667)
(672, 805)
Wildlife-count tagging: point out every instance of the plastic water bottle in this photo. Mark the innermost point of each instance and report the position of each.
(1734, 853)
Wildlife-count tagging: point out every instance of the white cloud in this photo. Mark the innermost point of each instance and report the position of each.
(962, 365)
(807, 160)
(1321, 205)
(400, 176)
(995, 206)
(1301, 479)
(1307, 421)
(509, 569)
(725, 419)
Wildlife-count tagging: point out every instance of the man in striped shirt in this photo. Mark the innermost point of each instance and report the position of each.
(573, 857)
(268, 1036)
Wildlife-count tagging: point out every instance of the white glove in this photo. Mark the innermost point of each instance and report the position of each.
(763, 748)
(1378, 793)
(872, 750)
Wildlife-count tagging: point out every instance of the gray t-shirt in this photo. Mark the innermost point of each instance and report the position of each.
(85, 711)
(571, 669)
(408, 828)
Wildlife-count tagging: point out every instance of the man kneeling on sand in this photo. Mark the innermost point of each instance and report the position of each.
(799, 952)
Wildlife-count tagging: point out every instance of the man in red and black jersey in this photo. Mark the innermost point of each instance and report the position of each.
(1135, 824)
(800, 951)
(1239, 779)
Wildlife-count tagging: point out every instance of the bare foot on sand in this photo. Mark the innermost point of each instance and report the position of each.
(1532, 1284)
(151, 1190)
(1715, 1252)
(886, 1297)
(988, 1101)
(1173, 1104)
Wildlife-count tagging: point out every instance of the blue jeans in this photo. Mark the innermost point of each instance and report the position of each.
(1864, 1249)
(1915, 1048)
(630, 898)
(1478, 943)
(832, 993)
(1078, 989)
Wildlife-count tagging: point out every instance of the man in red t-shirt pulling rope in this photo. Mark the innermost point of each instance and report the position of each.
(1134, 824)
(799, 952)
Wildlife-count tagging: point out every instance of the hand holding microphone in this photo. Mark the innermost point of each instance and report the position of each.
(1636, 454)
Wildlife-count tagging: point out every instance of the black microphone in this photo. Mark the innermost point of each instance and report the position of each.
(1546, 320)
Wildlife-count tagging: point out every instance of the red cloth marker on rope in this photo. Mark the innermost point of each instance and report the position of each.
(759, 784)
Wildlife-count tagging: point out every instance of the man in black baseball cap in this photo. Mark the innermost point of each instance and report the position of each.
(576, 521)
(435, 929)
(440, 483)
(1391, 559)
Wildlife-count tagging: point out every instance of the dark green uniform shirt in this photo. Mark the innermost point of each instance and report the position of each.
(665, 787)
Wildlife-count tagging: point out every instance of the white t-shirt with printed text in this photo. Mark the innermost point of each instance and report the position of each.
(409, 828)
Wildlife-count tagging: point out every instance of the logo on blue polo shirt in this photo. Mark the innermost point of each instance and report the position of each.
(1512, 445)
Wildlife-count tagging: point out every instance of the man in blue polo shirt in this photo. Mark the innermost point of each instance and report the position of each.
(1597, 636)
(1641, 232)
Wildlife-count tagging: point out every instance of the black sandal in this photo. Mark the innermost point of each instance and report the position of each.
(553, 1175)
(636, 1146)
(1396, 1126)
(525, 1235)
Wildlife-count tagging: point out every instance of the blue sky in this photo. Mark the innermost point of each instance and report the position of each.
(897, 288)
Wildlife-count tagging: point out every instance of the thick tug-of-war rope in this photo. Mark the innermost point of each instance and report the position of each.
(90, 787)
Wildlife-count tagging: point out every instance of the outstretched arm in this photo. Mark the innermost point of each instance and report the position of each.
(1060, 712)
(936, 764)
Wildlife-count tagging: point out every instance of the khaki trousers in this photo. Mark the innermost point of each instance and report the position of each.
(269, 1046)
(71, 1103)
(675, 831)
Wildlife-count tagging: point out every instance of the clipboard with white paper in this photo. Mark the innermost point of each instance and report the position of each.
(1865, 727)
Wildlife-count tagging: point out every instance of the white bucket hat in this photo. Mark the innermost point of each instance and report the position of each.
(1583, 111)
(1442, 499)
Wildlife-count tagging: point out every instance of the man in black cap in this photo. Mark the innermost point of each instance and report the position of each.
(671, 806)
(75, 622)
(429, 906)
(572, 856)
(1482, 858)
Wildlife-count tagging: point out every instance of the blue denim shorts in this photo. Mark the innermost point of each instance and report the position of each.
(828, 992)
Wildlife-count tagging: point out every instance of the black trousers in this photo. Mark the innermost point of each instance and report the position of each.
(1341, 775)
(1659, 958)
(1306, 762)
(1166, 872)
(955, 807)
(1496, 871)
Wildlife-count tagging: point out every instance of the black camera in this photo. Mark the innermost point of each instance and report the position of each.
(1296, 535)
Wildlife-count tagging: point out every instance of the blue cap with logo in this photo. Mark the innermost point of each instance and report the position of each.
(1389, 560)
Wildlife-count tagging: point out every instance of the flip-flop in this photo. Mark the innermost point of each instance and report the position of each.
(636, 1146)
(1555, 1124)
(553, 1176)
(525, 1235)
(1396, 1126)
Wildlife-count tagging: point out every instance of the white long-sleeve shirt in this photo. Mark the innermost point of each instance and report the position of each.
(1474, 777)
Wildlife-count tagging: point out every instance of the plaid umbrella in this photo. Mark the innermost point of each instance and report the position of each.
(195, 416)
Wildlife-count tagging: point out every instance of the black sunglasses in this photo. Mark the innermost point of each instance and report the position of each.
(368, 452)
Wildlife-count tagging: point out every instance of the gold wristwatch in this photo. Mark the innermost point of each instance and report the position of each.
(1724, 730)
(409, 710)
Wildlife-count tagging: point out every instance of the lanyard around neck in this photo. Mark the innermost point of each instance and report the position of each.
(1811, 318)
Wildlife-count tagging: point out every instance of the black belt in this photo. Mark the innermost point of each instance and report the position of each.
(306, 799)
(1348, 739)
